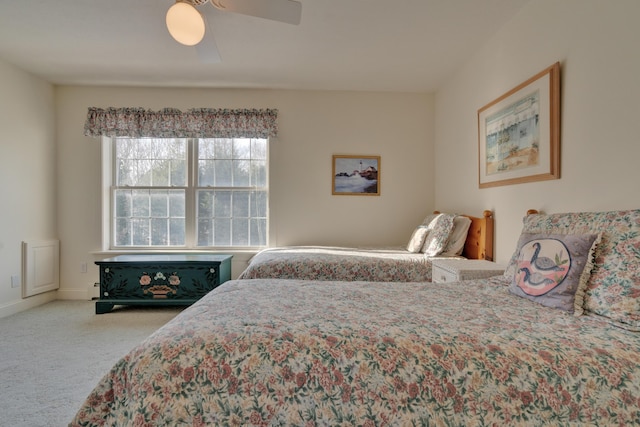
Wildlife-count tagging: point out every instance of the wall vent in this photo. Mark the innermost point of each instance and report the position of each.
(40, 266)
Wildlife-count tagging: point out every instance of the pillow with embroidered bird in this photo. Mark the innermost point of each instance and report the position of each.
(553, 269)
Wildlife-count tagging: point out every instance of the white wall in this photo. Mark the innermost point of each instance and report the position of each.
(596, 43)
(313, 126)
(50, 191)
(27, 176)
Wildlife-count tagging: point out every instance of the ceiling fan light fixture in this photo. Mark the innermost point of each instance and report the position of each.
(185, 23)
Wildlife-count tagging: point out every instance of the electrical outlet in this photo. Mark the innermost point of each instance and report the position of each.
(83, 267)
(15, 281)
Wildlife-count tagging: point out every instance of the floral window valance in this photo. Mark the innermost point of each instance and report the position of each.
(173, 123)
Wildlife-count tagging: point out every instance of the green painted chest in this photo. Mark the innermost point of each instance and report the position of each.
(159, 279)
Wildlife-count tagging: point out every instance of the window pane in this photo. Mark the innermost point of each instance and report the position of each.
(223, 173)
(205, 204)
(258, 204)
(178, 174)
(205, 232)
(259, 173)
(258, 232)
(159, 204)
(241, 170)
(241, 204)
(241, 148)
(240, 236)
(222, 232)
(206, 172)
(123, 232)
(140, 231)
(141, 173)
(206, 148)
(259, 149)
(160, 172)
(124, 172)
(159, 232)
(177, 232)
(140, 202)
(223, 148)
(222, 204)
(176, 203)
(123, 203)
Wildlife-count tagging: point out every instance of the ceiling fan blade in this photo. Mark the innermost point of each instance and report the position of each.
(287, 11)
(207, 49)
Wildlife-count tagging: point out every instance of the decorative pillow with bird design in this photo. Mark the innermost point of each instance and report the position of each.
(553, 269)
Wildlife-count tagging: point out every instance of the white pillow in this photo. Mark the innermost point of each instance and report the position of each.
(417, 238)
(429, 218)
(439, 231)
(455, 244)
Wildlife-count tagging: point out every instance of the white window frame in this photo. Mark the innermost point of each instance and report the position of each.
(108, 173)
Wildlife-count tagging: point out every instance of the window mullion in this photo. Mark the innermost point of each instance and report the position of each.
(190, 195)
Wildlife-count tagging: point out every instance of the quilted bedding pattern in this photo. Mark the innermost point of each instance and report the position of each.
(302, 353)
(336, 263)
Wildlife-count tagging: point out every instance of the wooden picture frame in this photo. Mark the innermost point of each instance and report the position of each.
(519, 133)
(355, 175)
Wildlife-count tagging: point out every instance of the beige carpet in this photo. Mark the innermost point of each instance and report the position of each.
(52, 356)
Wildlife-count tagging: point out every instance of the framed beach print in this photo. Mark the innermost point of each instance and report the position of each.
(519, 133)
(356, 175)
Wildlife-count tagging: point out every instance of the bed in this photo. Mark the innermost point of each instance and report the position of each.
(286, 352)
(439, 235)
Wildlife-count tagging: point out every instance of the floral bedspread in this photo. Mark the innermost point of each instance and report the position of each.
(336, 263)
(303, 353)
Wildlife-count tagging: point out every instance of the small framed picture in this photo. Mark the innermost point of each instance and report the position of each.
(356, 175)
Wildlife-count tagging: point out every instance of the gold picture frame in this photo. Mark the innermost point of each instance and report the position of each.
(519, 133)
(355, 175)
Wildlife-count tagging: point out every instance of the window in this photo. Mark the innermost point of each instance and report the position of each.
(188, 193)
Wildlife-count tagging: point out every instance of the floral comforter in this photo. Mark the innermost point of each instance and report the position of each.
(336, 263)
(304, 353)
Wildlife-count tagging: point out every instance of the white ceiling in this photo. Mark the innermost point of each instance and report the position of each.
(378, 45)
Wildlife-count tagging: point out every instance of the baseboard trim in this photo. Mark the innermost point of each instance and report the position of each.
(75, 294)
(27, 303)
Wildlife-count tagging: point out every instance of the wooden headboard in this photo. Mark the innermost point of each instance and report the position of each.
(479, 244)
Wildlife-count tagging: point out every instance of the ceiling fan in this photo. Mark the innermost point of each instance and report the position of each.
(188, 26)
